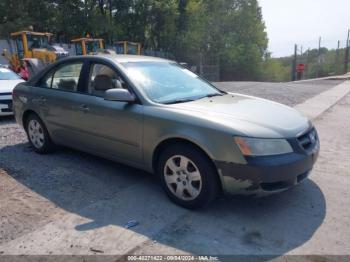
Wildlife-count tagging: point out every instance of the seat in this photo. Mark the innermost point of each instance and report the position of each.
(101, 84)
(68, 84)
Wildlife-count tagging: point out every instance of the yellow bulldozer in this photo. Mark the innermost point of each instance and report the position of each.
(87, 45)
(127, 47)
(31, 47)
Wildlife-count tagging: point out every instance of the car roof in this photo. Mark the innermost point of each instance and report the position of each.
(130, 58)
(117, 58)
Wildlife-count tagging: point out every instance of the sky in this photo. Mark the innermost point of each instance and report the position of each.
(302, 22)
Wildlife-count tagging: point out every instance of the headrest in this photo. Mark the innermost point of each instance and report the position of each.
(68, 84)
(103, 83)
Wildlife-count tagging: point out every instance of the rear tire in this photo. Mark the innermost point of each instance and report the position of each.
(188, 176)
(38, 135)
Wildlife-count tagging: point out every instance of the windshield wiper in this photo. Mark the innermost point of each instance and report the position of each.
(184, 100)
(212, 95)
(178, 101)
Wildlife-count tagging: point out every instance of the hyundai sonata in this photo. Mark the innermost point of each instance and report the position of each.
(156, 115)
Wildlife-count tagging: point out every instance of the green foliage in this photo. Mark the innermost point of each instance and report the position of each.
(325, 63)
(275, 71)
(20, 14)
(228, 33)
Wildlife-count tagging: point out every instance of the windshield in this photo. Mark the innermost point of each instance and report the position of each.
(92, 47)
(37, 41)
(6, 74)
(165, 82)
(78, 49)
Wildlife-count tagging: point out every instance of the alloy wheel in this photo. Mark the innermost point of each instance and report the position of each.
(36, 133)
(182, 177)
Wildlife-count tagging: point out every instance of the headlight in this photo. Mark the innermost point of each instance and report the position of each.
(263, 147)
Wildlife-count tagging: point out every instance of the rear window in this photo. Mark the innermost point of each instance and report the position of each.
(65, 77)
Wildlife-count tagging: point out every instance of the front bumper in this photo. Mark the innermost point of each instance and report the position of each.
(6, 104)
(269, 174)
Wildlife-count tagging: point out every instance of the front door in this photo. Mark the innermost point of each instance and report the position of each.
(111, 128)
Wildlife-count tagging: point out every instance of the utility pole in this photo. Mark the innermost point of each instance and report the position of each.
(201, 64)
(294, 64)
(346, 62)
(307, 63)
(318, 58)
(300, 74)
(336, 62)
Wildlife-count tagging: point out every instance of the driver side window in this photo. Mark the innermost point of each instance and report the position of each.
(102, 78)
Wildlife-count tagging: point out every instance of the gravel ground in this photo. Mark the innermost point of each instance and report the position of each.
(290, 94)
(38, 184)
(72, 203)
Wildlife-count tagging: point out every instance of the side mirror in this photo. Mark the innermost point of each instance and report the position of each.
(117, 94)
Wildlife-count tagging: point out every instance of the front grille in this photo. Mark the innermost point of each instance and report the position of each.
(308, 140)
(7, 110)
(5, 94)
(7, 102)
(281, 185)
(276, 185)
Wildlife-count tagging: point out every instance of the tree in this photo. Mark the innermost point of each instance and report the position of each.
(227, 33)
(20, 14)
(230, 33)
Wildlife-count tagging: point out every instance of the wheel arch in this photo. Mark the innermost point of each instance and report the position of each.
(26, 114)
(176, 140)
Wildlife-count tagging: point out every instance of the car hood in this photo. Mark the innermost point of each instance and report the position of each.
(6, 86)
(249, 115)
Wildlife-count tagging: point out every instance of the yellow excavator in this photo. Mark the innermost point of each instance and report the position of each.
(90, 46)
(87, 45)
(31, 47)
(127, 47)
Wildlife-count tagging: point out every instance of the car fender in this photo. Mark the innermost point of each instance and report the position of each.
(215, 143)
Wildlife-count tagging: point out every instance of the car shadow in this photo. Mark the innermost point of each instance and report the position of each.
(107, 193)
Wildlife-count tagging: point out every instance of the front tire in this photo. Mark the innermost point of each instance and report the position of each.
(188, 176)
(38, 135)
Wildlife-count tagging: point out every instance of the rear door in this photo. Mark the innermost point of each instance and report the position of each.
(59, 101)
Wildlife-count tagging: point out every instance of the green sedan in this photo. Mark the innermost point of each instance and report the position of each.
(158, 116)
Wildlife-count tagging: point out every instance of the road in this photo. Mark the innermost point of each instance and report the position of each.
(290, 93)
(74, 203)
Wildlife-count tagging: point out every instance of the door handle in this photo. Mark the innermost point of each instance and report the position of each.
(41, 100)
(85, 108)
